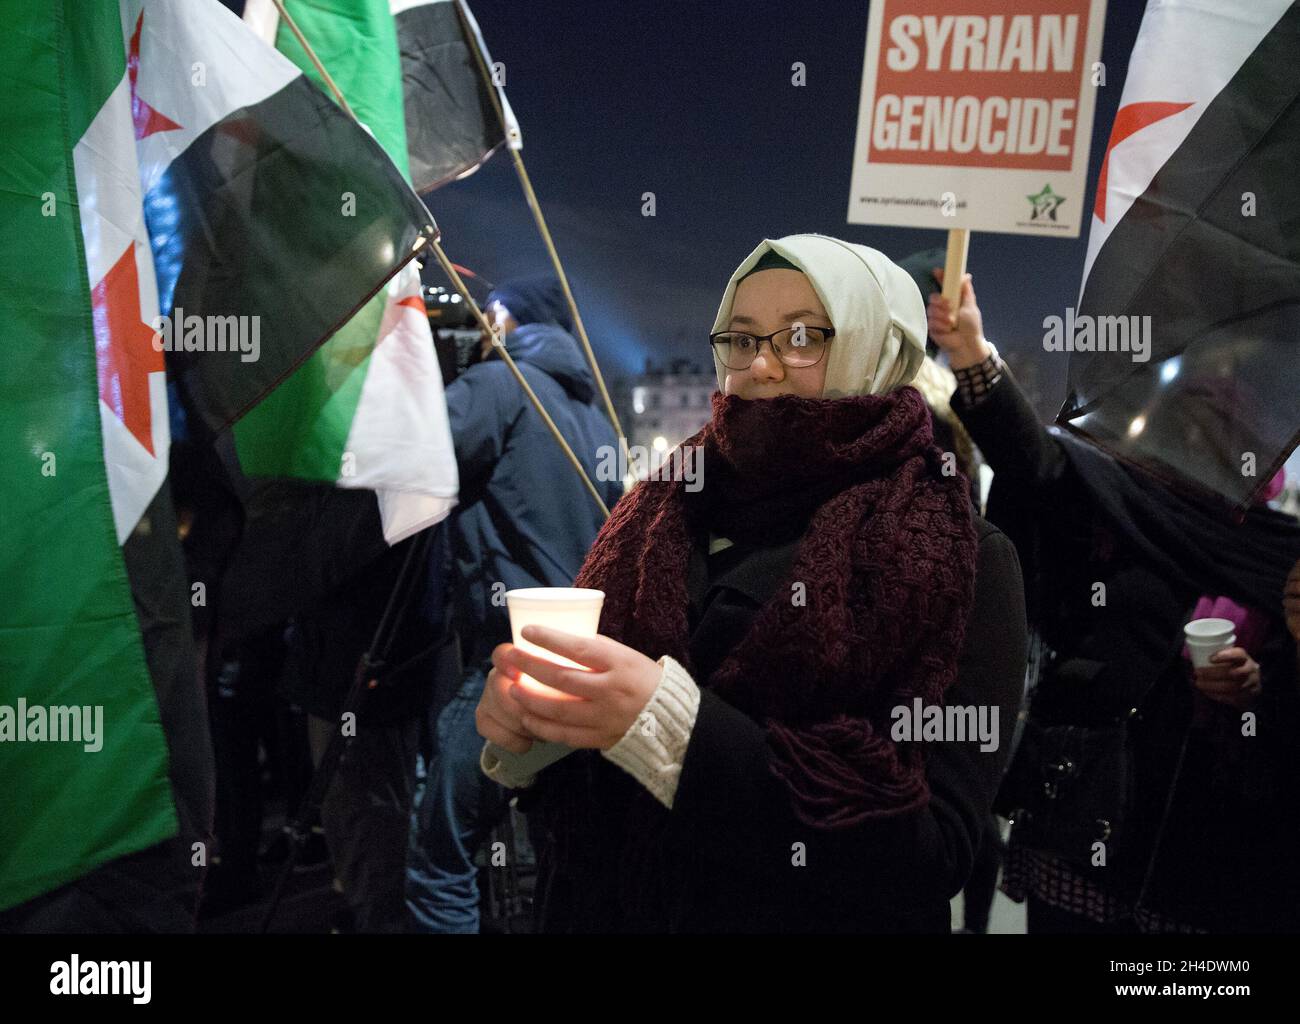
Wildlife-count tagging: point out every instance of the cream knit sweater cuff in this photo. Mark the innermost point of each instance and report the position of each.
(653, 749)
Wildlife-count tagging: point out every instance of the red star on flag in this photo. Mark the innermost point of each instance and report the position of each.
(124, 352)
(147, 120)
(1129, 120)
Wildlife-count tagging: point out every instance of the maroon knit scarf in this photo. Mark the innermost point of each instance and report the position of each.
(887, 564)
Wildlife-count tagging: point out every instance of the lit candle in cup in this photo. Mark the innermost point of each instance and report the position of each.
(568, 609)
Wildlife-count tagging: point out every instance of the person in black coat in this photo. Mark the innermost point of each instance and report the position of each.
(828, 580)
(525, 519)
(733, 847)
(1146, 795)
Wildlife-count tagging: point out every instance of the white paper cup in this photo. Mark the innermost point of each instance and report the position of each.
(570, 609)
(1202, 650)
(1208, 629)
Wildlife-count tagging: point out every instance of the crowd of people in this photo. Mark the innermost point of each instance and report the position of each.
(737, 759)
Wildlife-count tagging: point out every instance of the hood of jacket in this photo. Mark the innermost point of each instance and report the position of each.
(554, 351)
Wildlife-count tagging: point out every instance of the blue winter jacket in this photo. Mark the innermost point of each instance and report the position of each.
(525, 518)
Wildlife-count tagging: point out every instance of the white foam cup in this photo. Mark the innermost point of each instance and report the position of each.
(1202, 650)
(569, 609)
(1208, 629)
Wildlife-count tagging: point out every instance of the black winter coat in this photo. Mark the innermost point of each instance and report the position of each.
(723, 859)
(1224, 862)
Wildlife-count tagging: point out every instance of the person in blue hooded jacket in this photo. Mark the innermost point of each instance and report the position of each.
(525, 519)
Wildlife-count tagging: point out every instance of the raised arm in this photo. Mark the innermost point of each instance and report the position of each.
(988, 401)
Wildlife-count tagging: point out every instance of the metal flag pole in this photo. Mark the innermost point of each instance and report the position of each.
(456, 280)
(531, 197)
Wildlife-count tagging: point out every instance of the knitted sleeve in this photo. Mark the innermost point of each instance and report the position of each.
(654, 747)
(651, 751)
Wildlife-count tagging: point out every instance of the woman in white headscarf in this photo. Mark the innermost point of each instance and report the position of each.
(761, 738)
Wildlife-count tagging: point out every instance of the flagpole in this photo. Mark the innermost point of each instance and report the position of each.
(315, 61)
(531, 197)
(456, 280)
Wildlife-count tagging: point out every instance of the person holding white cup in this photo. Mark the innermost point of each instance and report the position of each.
(1178, 761)
(738, 765)
(1222, 671)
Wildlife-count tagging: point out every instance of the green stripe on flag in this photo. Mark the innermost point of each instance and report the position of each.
(301, 429)
(356, 41)
(68, 630)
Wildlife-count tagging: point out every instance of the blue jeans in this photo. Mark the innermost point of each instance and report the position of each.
(454, 808)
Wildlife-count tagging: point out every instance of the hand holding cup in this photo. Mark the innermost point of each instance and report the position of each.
(591, 706)
(1231, 677)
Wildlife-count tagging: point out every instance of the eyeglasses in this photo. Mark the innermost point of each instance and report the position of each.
(794, 346)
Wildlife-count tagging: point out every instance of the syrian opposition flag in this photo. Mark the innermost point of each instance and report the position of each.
(367, 410)
(103, 744)
(452, 124)
(265, 203)
(1188, 328)
(179, 201)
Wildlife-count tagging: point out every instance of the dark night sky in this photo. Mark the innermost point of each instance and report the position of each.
(693, 101)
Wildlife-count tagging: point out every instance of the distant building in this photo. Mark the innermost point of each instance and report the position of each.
(662, 408)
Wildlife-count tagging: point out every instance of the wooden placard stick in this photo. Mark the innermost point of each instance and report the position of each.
(954, 267)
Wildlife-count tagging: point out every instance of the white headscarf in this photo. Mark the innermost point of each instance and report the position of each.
(874, 305)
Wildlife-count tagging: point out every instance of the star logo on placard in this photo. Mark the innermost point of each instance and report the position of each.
(124, 351)
(147, 120)
(1045, 204)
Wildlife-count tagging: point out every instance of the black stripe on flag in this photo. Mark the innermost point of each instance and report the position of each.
(1221, 287)
(451, 124)
(253, 219)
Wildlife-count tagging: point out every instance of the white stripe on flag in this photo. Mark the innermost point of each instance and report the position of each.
(263, 18)
(198, 64)
(112, 218)
(396, 7)
(400, 438)
(1185, 53)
